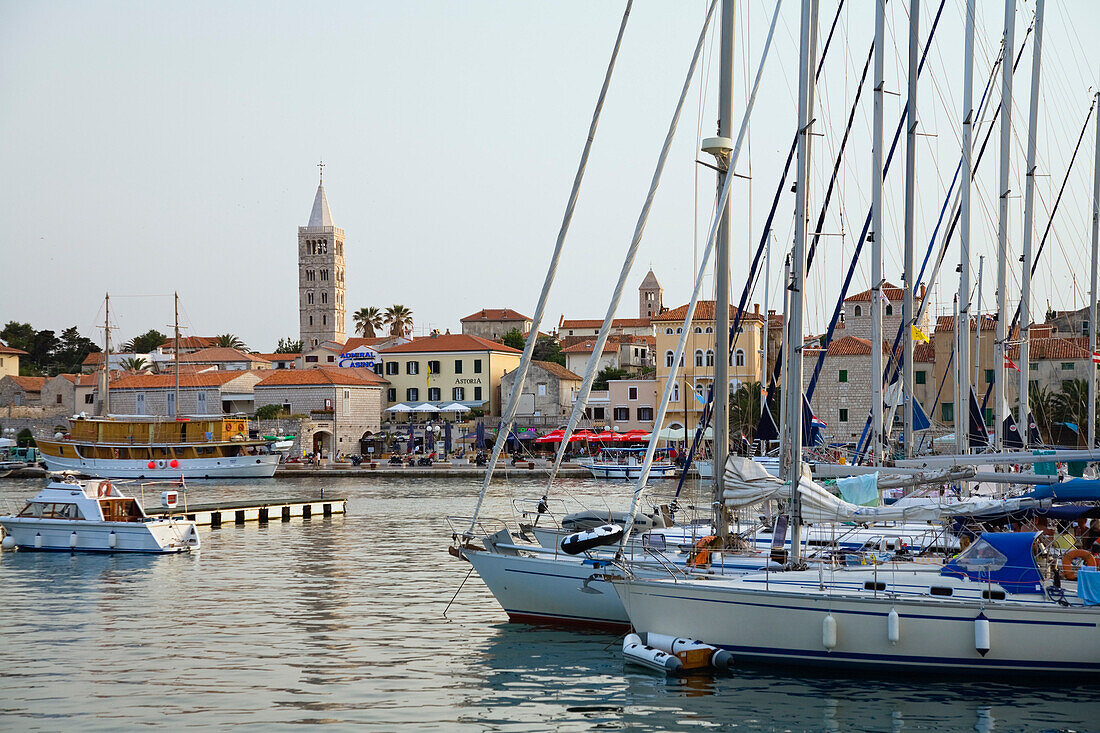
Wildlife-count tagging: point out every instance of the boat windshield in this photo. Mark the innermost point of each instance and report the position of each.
(51, 510)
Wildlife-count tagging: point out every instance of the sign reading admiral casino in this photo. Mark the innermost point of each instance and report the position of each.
(362, 357)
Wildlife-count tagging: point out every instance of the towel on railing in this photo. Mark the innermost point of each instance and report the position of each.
(1088, 586)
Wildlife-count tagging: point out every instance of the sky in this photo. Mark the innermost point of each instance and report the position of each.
(152, 147)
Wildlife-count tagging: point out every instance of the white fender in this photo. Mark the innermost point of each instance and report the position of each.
(893, 627)
(9, 542)
(981, 634)
(38, 540)
(638, 653)
(828, 632)
(719, 658)
(72, 540)
(112, 540)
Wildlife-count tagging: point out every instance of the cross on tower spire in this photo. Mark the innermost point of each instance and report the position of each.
(321, 167)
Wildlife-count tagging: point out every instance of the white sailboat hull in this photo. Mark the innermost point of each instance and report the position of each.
(624, 472)
(260, 466)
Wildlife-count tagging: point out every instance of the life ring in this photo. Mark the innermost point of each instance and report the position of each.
(700, 556)
(104, 489)
(1070, 568)
(162, 463)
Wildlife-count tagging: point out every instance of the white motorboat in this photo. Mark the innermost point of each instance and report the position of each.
(93, 516)
(626, 464)
(989, 610)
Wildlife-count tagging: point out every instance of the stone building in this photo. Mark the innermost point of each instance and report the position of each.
(981, 363)
(188, 344)
(204, 393)
(321, 306)
(632, 353)
(19, 391)
(632, 403)
(343, 405)
(857, 313)
(1054, 361)
(225, 359)
(842, 396)
(71, 393)
(9, 360)
(1069, 324)
(493, 323)
(547, 397)
(570, 330)
(650, 296)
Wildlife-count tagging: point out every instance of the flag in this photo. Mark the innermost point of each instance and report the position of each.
(1010, 365)
(919, 335)
(882, 296)
(1096, 357)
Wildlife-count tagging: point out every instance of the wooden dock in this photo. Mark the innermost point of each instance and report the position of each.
(254, 510)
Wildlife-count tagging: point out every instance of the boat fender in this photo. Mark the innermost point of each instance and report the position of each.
(162, 463)
(72, 540)
(828, 632)
(588, 539)
(981, 634)
(893, 626)
(38, 540)
(638, 653)
(9, 542)
(112, 540)
(1082, 558)
(687, 649)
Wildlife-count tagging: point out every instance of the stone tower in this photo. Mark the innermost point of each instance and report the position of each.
(321, 305)
(650, 296)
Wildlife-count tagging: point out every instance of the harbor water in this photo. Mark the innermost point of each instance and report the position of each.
(340, 620)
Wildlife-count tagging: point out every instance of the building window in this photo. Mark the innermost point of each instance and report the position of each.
(632, 393)
(312, 358)
(1067, 384)
(698, 357)
(622, 413)
(332, 358)
(324, 298)
(309, 298)
(434, 367)
(668, 331)
(392, 367)
(739, 358)
(989, 376)
(433, 394)
(89, 399)
(311, 275)
(858, 311)
(412, 367)
(412, 394)
(698, 329)
(988, 414)
(843, 415)
(675, 396)
(1033, 384)
(540, 389)
(391, 394)
(1033, 366)
(669, 356)
(709, 330)
(311, 320)
(324, 320)
(378, 367)
(645, 414)
(458, 366)
(322, 246)
(477, 394)
(842, 376)
(889, 310)
(458, 394)
(477, 366)
(1067, 366)
(597, 413)
(947, 412)
(680, 329)
(921, 377)
(710, 357)
(324, 274)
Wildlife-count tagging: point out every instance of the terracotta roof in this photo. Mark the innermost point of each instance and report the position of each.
(893, 293)
(168, 381)
(28, 384)
(1050, 348)
(357, 341)
(704, 311)
(191, 342)
(923, 353)
(947, 323)
(558, 370)
(585, 345)
(82, 380)
(449, 342)
(95, 357)
(616, 323)
(495, 314)
(220, 354)
(321, 376)
(851, 346)
(278, 357)
(10, 350)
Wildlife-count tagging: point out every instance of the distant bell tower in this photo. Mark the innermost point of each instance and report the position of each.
(650, 296)
(321, 305)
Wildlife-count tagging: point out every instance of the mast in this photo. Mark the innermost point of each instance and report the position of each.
(807, 52)
(1002, 229)
(785, 350)
(876, 236)
(977, 332)
(910, 204)
(1092, 286)
(962, 320)
(176, 297)
(106, 354)
(1023, 423)
(767, 319)
(721, 392)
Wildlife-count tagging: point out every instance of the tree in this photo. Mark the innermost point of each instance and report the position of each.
(1041, 402)
(18, 335)
(514, 339)
(745, 409)
(399, 319)
(134, 364)
(369, 320)
(286, 346)
(1071, 405)
(547, 348)
(270, 412)
(147, 342)
(72, 349)
(607, 374)
(229, 341)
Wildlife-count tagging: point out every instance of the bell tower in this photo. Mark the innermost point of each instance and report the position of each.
(650, 296)
(321, 306)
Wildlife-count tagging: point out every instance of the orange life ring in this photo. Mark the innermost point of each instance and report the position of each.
(1069, 568)
(104, 489)
(700, 556)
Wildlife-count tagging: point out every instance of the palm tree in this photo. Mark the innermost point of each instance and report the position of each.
(229, 341)
(1071, 405)
(745, 409)
(368, 321)
(1041, 402)
(399, 319)
(134, 364)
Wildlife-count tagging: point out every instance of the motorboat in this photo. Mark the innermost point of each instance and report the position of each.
(626, 464)
(93, 516)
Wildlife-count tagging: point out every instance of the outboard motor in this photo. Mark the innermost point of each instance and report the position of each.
(578, 542)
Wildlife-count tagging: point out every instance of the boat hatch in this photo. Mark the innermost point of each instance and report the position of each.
(1004, 558)
(121, 510)
(51, 510)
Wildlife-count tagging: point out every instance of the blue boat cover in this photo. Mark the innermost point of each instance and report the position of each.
(1076, 489)
(1088, 586)
(1004, 558)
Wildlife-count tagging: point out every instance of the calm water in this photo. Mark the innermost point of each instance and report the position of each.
(340, 621)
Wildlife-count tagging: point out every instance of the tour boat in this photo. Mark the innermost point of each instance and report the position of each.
(93, 516)
(626, 463)
(200, 446)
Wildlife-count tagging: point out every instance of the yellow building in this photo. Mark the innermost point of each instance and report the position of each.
(9, 361)
(696, 372)
(447, 368)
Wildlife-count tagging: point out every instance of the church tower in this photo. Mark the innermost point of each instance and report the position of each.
(650, 296)
(321, 305)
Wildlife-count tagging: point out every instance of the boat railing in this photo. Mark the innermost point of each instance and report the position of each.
(526, 509)
(460, 526)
